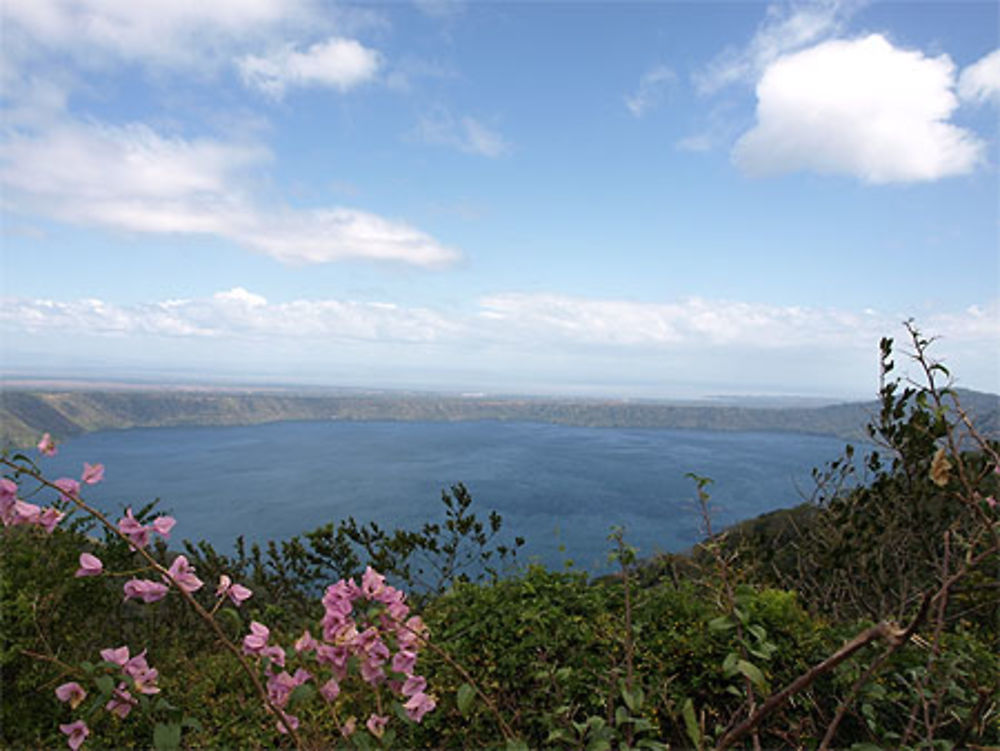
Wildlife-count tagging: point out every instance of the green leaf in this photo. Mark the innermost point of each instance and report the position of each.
(722, 623)
(301, 693)
(466, 694)
(599, 744)
(191, 722)
(516, 744)
(166, 737)
(752, 672)
(559, 734)
(621, 716)
(105, 684)
(633, 699)
(691, 723)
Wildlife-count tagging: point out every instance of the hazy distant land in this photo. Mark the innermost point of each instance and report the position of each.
(26, 413)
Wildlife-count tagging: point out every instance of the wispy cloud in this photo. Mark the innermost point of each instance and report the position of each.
(862, 108)
(787, 27)
(336, 63)
(651, 90)
(136, 179)
(464, 133)
(980, 82)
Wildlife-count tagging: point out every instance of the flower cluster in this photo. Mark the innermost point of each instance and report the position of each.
(14, 511)
(135, 677)
(381, 638)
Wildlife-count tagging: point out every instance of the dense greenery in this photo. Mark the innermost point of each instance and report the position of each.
(894, 563)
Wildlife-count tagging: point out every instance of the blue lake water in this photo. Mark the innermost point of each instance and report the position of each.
(559, 487)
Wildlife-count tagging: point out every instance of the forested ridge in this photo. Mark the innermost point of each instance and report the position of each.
(26, 414)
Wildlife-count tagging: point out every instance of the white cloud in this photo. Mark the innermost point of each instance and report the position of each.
(234, 313)
(465, 134)
(786, 27)
(164, 32)
(862, 108)
(650, 92)
(133, 178)
(980, 82)
(337, 63)
(551, 337)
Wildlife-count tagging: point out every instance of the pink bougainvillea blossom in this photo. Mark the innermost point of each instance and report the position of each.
(162, 526)
(255, 642)
(117, 656)
(121, 702)
(49, 518)
(137, 533)
(92, 473)
(330, 690)
(182, 574)
(236, 592)
(291, 720)
(306, 643)
(70, 488)
(403, 662)
(47, 447)
(90, 565)
(376, 724)
(77, 731)
(8, 497)
(143, 676)
(418, 705)
(144, 589)
(72, 693)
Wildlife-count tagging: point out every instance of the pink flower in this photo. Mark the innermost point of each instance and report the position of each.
(419, 705)
(121, 702)
(162, 525)
(415, 684)
(117, 656)
(376, 724)
(8, 497)
(372, 583)
(256, 640)
(292, 720)
(991, 502)
(77, 731)
(90, 565)
(348, 728)
(182, 574)
(144, 589)
(92, 473)
(236, 592)
(306, 643)
(49, 518)
(141, 674)
(71, 692)
(70, 488)
(48, 447)
(403, 662)
(330, 690)
(129, 526)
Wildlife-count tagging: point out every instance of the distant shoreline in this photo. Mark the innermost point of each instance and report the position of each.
(27, 413)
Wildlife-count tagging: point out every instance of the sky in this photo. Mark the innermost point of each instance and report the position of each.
(651, 199)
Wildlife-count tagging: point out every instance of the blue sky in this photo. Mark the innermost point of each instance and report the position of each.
(649, 199)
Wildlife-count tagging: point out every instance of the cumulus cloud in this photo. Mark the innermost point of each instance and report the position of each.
(650, 91)
(337, 63)
(862, 108)
(980, 82)
(465, 134)
(786, 27)
(136, 179)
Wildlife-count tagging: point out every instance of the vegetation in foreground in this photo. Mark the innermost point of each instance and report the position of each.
(867, 619)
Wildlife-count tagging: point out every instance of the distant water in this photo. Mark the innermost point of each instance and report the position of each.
(559, 487)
